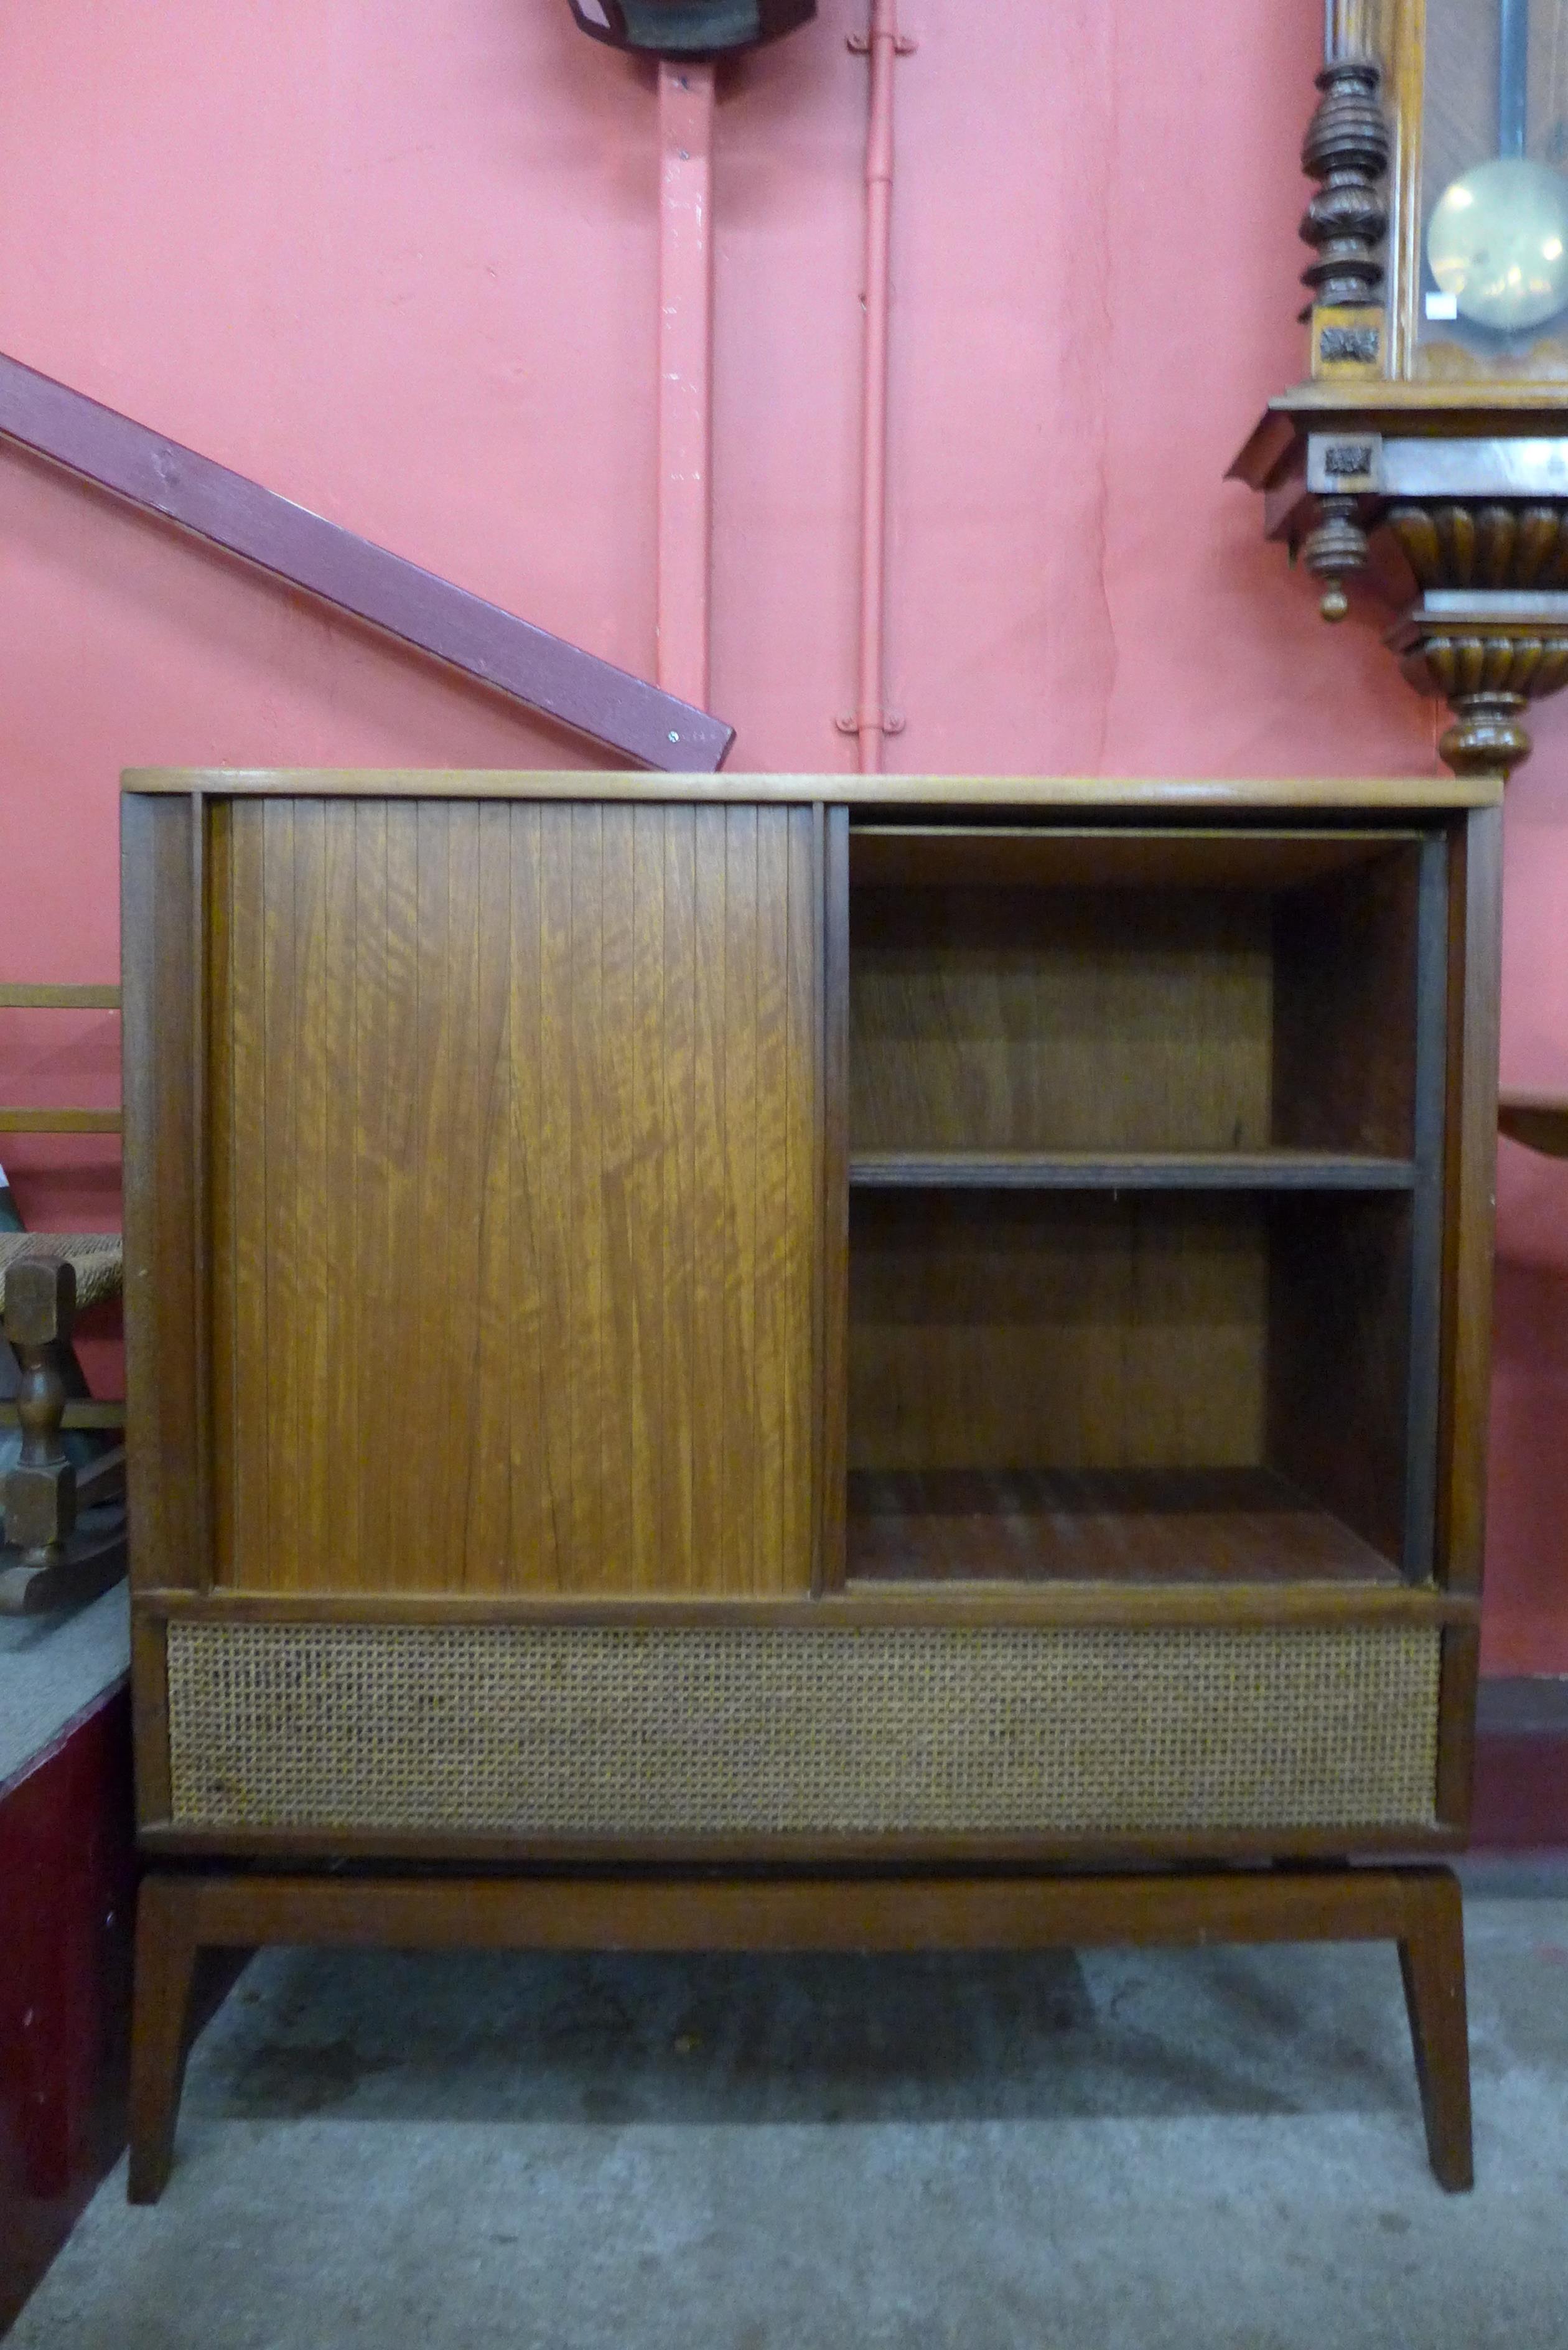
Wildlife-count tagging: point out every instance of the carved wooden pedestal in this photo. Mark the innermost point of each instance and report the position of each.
(1463, 528)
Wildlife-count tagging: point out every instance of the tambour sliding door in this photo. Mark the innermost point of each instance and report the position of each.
(514, 1195)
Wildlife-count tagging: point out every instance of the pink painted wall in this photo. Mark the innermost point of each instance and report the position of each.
(398, 262)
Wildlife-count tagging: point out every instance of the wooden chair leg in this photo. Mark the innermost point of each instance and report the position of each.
(166, 1954)
(1432, 1961)
(40, 1491)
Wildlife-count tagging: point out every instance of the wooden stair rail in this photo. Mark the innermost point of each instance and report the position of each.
(1538, 1121)
(639, 721)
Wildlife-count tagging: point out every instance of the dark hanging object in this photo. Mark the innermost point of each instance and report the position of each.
(690, 28)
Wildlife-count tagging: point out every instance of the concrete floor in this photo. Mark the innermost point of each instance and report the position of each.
(1217, 2149)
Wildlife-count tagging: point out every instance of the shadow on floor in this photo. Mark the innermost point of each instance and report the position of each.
(1130, 2150)
(720, 2039)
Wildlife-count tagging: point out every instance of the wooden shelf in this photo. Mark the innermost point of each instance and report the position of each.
(1129, 1170)
(959, 856)
(1151, 1525)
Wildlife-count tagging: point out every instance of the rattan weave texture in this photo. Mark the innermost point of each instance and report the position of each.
(98, 1259)
(588, 1732)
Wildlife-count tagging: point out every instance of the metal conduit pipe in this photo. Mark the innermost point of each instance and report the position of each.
(685, 375)
(871, 722)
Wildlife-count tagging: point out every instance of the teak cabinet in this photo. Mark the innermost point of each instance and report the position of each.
(814, 1326)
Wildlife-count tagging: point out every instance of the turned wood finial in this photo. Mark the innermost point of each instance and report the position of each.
(1332, 549)
(1486, 737)
(1346, 150)
(1461, 640)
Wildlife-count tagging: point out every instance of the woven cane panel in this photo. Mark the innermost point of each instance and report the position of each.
(574, 1731)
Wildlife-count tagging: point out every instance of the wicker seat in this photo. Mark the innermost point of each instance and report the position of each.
(97, 1260)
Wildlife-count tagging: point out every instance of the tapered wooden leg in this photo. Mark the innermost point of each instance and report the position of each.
(166, 1953)
(182, 1917)
(1432, 1961)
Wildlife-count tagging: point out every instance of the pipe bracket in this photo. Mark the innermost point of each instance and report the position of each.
(891, 722)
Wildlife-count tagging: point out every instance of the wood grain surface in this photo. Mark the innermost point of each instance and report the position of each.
(1344, 1008)
(1231, 1599)
(1124, 857)
(60, 1121)
(1003, 1330)
(515, 1195)
(1471, 1193)
(1014, 1019)
(45, 996)
(1339, 1361)
(1134, 1526)
(1129, 1170)
(1396, 797)
(163, 1239)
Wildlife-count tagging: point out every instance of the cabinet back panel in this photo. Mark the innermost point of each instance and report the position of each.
(1340, 1362)
(1034, 1019)
(883, 850)
(997, 1331)
(1344, 1009)
(516, 1194)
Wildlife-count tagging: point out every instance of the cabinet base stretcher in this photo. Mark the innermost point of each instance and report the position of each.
(184, 1913)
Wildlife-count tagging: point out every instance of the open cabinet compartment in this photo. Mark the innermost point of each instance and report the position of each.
(1145, 1161)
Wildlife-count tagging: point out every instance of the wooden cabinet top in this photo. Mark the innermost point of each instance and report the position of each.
(1080, 793)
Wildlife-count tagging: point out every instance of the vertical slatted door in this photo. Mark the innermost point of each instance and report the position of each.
(515, 1193)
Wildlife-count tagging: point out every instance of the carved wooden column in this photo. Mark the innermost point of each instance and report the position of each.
(1346, 150)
